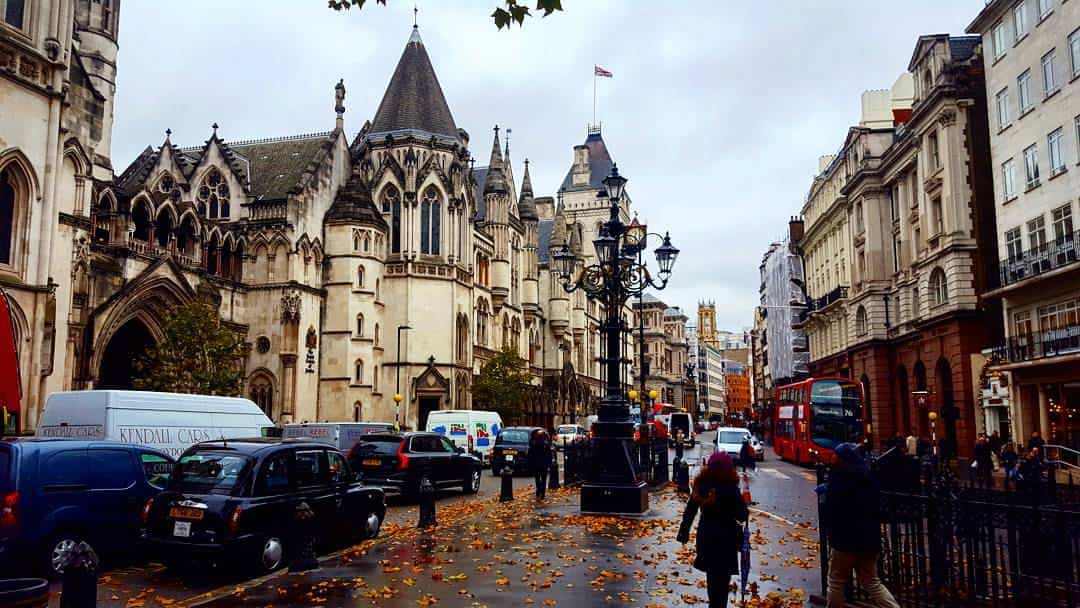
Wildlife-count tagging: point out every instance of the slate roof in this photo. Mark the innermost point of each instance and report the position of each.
(278, 165)
(413, 100)
(543, 241)
(353, 205)
(480, 177)
(675, 312)
(599, 166)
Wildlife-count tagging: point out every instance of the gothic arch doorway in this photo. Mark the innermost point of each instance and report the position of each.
(125, 346)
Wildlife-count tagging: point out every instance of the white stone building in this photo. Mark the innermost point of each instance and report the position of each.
(1032, 50)
(318, 248)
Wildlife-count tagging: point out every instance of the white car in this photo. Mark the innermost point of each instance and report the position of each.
(568, 434)
(730, 439)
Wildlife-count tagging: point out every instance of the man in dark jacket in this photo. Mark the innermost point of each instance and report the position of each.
(984, 461)
(540, 461)
(852, 520)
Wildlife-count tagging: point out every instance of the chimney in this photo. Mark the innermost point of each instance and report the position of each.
(796, 229)
(581, 166)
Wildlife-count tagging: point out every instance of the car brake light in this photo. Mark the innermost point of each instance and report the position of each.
(146, 510)
(234, 520)
(8, 510)
(403, 460)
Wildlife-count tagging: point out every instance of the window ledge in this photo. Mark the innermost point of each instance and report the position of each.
(1075, 77)
(1050, 94)
(1032, 185)
(1009, 199)
(1058, 172)
(998, 58)
(1025, 111)
(1043, 18)
(1020, 39)
(1005, 128)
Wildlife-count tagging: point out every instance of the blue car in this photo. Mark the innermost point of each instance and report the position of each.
(57, 492)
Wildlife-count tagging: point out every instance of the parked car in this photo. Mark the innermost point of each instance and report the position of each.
(569, 434)
(341, 435)
(55, 493)
(474, 430)
(400, 462)
(235, 502)
(729, 439)
(512, 449)
(170, 422)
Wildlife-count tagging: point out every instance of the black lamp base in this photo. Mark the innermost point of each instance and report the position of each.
(632, 498)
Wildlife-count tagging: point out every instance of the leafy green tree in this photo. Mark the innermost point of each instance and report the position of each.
(198, 354)
(502, 383)
(514, 11)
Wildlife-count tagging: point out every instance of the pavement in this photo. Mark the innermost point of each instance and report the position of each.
(486, 553)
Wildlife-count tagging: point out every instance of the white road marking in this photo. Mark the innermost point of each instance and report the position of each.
(774, 516)
(774, 473)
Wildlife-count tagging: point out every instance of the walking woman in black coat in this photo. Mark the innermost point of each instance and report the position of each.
(716, 496)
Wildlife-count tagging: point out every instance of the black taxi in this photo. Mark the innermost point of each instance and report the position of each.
(238, 501)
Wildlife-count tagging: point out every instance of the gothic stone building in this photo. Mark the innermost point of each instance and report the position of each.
(320, 249)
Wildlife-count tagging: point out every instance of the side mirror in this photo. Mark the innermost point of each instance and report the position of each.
(460, 450)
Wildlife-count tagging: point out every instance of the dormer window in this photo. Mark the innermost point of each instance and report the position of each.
(928, 81)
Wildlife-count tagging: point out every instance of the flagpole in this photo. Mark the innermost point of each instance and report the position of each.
(594, 96)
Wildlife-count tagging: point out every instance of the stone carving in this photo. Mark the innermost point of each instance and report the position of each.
(290, 307)
(339, 96)
(947, 118)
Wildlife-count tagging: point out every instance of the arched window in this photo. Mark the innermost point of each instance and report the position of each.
(366, 243)
(375, 379)
(378, 337)
(238, 263)
(939, 288)
(213, 195)
(392, 201)
(359, 326)
(185, 236)
(860, 321)
(7, 217)
(212, 254)
(357, 411)
(358, 370)
(376, 289)
(360, 277)
(140, 215)
(262, 393)
(356, 240)
(430, 222)
(462, 338)
(15, 14)
(163, 228)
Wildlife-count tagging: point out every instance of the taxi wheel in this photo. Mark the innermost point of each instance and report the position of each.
(271, 555)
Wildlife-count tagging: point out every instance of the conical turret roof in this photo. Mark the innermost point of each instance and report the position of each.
(496, 177)
(526, 204)
(413, 100)
(353, 205)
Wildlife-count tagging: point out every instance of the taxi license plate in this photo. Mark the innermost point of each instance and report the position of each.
(372, 462)
(509, 457)
(509, 451)
(186, 513)
(182, 529)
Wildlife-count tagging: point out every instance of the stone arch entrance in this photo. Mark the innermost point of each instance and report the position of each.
(125, 346)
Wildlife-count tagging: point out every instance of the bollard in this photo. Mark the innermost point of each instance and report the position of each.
(682, 475)
(506, 493)
(427, 504)
(306, 559)
(78, 572)
(662, 466)
(553, 473)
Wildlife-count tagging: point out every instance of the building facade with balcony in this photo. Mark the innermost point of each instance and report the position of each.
(1032, 51)
(710, 380)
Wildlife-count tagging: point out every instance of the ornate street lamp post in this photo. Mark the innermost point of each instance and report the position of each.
(615, 484)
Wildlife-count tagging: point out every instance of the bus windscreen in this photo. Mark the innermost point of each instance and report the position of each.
(834, 412)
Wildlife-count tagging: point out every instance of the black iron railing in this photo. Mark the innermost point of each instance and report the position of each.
(1049, 343)
(945, 542)
(1033, 262)
(835, 295)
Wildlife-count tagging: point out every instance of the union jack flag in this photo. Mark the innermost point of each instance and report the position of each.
(599, 71)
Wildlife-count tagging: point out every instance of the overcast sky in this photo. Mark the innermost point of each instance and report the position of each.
(717, 112)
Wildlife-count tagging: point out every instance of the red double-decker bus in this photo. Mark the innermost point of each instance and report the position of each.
(815, 415)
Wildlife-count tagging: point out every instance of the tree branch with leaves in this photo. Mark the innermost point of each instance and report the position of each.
(198, 354)
(502, 384)
(514, 11)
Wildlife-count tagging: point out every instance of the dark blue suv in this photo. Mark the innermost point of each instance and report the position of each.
(56, 492)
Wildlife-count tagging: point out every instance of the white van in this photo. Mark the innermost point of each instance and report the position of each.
(474, 430)
(169, 422)
(341, 435)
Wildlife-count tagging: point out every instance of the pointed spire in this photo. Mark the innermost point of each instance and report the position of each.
(415, 36)
(168, 135)
(526, 204)
(496, 178)
(558, 231)
(215, 128)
